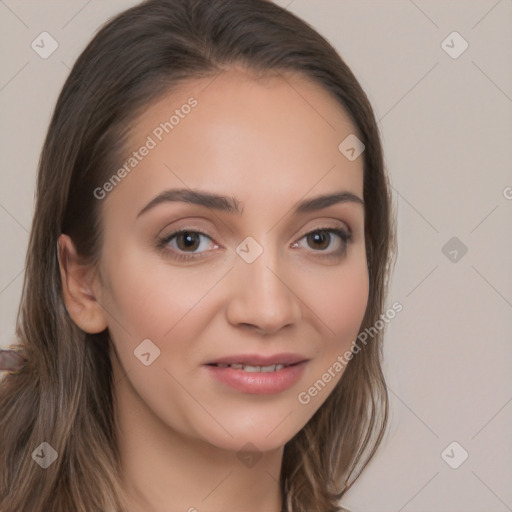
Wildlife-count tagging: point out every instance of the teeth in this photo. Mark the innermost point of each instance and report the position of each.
(253, 369)
(248, 368)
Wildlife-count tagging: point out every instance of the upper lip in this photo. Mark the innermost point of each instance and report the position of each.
(260, 360)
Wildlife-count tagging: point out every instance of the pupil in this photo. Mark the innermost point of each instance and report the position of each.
(319, 236)
(189, 239)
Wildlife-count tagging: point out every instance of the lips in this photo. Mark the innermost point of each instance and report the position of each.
(258, 360)
(253, 368)
(268, 379)
(258, 374)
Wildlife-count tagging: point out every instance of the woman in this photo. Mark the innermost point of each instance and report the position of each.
(212, 230)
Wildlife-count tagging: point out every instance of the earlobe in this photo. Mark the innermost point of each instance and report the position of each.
(77, 280)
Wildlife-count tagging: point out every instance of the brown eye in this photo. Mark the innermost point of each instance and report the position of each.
(321, 239)
(190, 240)
(186, 244)
(327, 242)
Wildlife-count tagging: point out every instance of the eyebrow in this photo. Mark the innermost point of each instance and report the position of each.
(232, 205)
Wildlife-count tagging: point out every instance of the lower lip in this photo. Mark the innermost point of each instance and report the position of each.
(261, 383)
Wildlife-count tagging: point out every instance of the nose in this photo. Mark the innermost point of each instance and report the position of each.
(263, 298)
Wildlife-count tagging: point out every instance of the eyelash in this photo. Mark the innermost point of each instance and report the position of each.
(346, 238)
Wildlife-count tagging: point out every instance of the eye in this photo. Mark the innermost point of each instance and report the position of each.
(184, 241)
(321, 239)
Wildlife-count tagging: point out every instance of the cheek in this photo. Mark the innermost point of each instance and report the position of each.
(341, 305)
(156, 301)
(350, 303)
(340, 302)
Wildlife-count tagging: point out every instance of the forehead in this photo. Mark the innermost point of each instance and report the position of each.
(275, 133)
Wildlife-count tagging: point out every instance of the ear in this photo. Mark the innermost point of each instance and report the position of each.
(78, 280)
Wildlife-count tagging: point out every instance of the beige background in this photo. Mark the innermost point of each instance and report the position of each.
(446, 125)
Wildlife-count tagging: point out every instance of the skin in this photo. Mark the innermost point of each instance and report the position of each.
(270, 142)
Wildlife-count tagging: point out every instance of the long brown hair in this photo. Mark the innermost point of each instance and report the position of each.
(63, 396)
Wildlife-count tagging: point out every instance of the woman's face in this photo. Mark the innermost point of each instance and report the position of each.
(255, 287)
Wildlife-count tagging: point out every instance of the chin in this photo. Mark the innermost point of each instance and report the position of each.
(266, 428)
(257, 438)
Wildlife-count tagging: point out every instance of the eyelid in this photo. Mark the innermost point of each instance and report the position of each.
(322, 226)
(188, 227)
